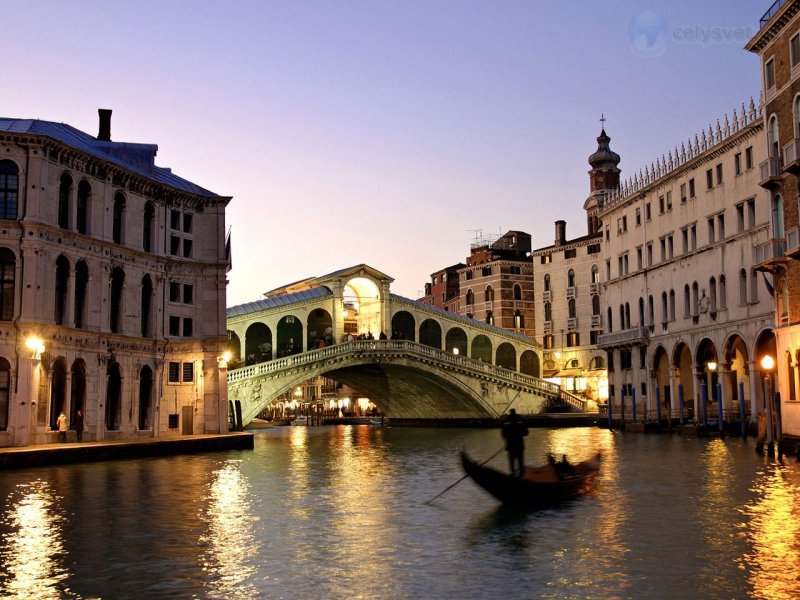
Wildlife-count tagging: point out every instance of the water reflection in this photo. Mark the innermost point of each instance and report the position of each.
(772, 527)
(32, 552)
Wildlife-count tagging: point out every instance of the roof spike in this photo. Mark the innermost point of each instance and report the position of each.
(744, 115)
(753, 109)
(735, 121)
(727, 130)
(718, 133)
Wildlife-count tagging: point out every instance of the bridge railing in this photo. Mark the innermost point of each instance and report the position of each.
(405, 347)
(573, 400)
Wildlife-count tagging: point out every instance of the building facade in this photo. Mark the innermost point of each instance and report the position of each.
(113, 289)
(686, 315)
(778, 45)
(443, 289)
(496, 285)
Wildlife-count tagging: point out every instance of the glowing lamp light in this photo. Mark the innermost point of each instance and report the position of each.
(455, 351)
(767, 363)
(36, 346)
(712, 365)
(226, 356)
(558, 355)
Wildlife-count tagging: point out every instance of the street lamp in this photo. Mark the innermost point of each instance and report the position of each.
(36, 346)
(767, 364)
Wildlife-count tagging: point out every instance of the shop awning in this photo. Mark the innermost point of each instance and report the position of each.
(548, 373)
(570, 373)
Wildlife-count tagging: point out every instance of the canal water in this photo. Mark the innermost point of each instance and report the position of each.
(339, 512)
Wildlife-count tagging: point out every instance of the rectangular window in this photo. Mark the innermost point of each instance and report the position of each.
(187, 372)
(188, 327)
(174, 372)
(570, 253)
(669, 201)
(691, 188)
(683, 193)
(751, 213)
(594, 336)
(187, 223)
(639, 258)
(721, 226)
(468, 274)
(625, 223)
(638, 216)
(187, 248)
(719, 174)
(608, 270)
(174, 245)
(663, 249)
(619, 266)
(647, 212)
(486, 271)
(769, 74)
(625, 262)
(670, 247)
(740, 218)
(174, 325)
(608, 233)
(175, 219)
(610, 356)
(174, 291)
(188, 294)
(709, 179)
(748, 157)
(685, 240)
(642, 357)
(650, 254)
(737, 163)
(661, 205)
(711, 237)
(693, 237)
(593, 249)
(794, 49)
(573, 339)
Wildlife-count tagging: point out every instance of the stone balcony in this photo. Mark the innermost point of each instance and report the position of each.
(793, 243)
(627, 337)
(771, 173)
(769, 255)
(791, 157)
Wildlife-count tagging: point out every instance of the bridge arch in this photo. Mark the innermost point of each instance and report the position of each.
(529, 363)
(290, 336)
(456, 339)
(319, 326)
(506, 356)
(481, 349)
(362, 305)
(257, 343)
(403, 326)
(430, 333)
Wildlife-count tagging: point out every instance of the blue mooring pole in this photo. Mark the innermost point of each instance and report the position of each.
(633, 404)
(704, 398)
(610, 420)
(719, 407)
(658, 406)
(680, 402)
(741, 409)
(622, 417)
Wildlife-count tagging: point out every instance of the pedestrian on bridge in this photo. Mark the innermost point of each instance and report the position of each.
(514, 432)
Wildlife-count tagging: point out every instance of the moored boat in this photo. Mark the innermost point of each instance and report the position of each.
(538, 486)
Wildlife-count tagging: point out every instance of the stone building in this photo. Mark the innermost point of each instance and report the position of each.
(112, 289)
(496, 285)
(686, 313)
(778, 45)
(567, 282)
(443, 289)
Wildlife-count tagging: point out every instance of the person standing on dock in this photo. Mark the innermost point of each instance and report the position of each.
(62, 427)
(78, 425)
(514, 432)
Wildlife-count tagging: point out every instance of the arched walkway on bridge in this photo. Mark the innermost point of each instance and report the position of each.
(506, 356)
(320, 328)
(456, 341)
(257, 344)
(481, 349)
(290, 336)
(403, 326)
(430, 334)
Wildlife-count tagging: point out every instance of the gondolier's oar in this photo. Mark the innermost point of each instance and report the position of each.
(448, 488)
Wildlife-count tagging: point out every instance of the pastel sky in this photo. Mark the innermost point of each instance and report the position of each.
(382, 132)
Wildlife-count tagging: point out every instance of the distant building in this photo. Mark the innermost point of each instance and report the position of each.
(443, 290)
(112, 289)
(778, 45)
(568, 279)
(685, 313)
(496, 285)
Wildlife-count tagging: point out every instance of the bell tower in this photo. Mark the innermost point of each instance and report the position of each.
(603, 177)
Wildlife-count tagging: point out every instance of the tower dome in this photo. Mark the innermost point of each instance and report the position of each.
(604, 157)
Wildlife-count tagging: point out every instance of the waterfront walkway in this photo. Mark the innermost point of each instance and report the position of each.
(76, 452)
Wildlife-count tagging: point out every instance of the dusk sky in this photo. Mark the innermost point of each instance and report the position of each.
(383, 132)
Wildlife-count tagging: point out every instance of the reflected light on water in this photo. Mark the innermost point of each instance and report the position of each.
(231, 545)
(773, 529)
(31, 555)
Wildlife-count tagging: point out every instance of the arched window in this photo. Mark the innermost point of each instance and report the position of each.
(145, 396)
(470, 298)
(722, 293)
(796, 110)
(81, 284)
(595, 274)
(772, 138)
(147, 227)
(571, 278)
(5, 387)
(517, 292)
(610, 324)
(547, 282)
(664, 308)
(9, 189)
(119, 217)
(64, 191)
(548, 311)
(641, 312)
(113, 396)
(621, 317)
(78, 391)
(84, 207)
(687, 302)
(742, 287)
(571, 308)
(8, 270)
(712, 293)
(651, 311)
(595, 305)
(672, 305)
(753, 286)
(777, 216)
(147, 297)
(115, 310)
(58, 390)
(695, 299)
(489, 293)
(627, 315)
(62, 279)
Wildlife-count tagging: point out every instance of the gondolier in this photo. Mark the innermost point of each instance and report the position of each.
(514, 432)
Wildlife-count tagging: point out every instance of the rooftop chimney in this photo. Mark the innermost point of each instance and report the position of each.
(561, 232)
(105, 124)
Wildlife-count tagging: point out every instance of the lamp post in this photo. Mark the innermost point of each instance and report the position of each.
(767, 364)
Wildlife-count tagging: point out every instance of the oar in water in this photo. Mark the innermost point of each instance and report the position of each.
(448, 488)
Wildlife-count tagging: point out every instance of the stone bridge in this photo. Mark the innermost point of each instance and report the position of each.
(424, 363)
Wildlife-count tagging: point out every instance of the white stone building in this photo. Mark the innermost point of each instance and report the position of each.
(112, 289)
(684, 308)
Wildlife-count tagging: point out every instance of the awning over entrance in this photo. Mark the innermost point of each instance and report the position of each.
(570, 373)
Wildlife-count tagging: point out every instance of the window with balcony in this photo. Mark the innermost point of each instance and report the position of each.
(571, 278)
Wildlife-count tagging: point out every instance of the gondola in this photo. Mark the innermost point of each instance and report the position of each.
(538, 486)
